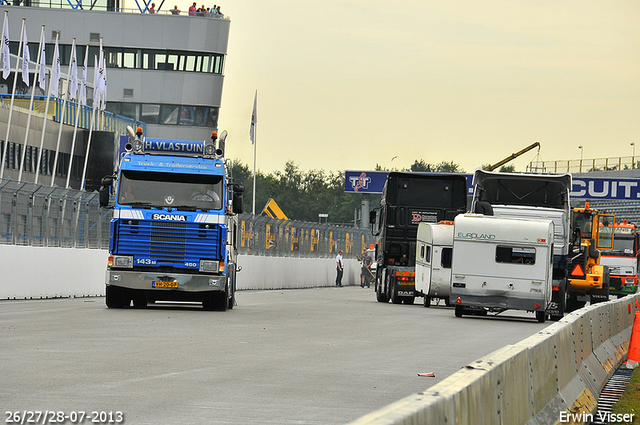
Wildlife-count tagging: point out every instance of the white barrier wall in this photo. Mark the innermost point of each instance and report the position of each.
(33, 272)
(551, 377)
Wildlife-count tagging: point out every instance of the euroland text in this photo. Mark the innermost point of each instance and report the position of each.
(601, 417)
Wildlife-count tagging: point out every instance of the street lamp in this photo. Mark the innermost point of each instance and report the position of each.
(580, 147)
(633, 157)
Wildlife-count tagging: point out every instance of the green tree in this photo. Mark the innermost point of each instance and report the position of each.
(421, 166)
(447, 167)
(508, 169)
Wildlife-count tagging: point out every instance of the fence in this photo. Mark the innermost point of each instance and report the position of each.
(261, 235)
(36, 215)
(585, 165)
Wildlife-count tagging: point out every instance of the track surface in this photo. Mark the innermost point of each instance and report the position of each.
(306, 356)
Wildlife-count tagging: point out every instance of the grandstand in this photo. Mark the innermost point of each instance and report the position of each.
(623, 209)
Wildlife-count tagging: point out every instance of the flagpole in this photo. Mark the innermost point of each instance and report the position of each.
(33, 92)
(65, 98)
(93, 116)
(254, 139)
(78, 111)
(13, 94)
(46, 107)
(6, 69)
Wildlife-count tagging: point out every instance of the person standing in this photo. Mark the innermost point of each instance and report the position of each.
(339, 268)
(192, 9)
(366, 271)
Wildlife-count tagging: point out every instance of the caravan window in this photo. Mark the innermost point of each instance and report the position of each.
(447, 254)
(515, 254)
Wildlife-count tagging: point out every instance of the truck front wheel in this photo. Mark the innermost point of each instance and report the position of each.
(116, 297)
(215, 300)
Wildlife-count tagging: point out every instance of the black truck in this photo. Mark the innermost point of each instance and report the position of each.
(408, 199)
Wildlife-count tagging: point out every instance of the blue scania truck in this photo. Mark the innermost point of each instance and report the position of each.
(175, 224)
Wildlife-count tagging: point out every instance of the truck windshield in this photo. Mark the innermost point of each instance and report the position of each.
(623, 246)
(162, 190)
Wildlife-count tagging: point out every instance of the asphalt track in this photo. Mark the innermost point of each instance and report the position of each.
(304, 356)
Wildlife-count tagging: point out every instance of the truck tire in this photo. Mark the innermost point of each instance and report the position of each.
(573, 304)
(395, 299)
(116, 297)
(409, 300)
(380, 295)
(541, 316)
(140, 301)
(459, 310)
(223, 298)
(215, 300)
(232, 301)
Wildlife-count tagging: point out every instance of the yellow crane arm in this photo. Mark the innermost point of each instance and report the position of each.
(512, 157)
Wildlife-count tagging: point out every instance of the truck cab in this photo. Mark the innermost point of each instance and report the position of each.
(409, 199)
(174, 226)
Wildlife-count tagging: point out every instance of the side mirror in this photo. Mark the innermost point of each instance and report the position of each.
(373, 219)
(238, 191)
(105, 190)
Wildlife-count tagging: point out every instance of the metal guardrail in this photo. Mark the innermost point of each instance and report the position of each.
(37, 215)
(262, 235)
(585, 165)
(104, 121)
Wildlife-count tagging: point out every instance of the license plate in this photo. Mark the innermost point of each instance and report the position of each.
(158, 284)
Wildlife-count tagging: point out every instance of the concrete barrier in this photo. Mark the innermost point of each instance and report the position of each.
(35, 272)
(539, 381)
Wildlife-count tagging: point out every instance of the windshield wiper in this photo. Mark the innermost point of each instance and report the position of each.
(184, 207)
(139, 204)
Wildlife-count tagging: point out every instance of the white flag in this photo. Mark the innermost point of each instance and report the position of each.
(96, 82)
(83, 82)
(43, 61)
(103, 99)
(73, 89)
(254, 119)
(26, 57)
(55, 71)
(6, 56)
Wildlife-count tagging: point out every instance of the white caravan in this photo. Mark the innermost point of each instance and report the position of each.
(532, 196)
(501, 263)
(434, 246)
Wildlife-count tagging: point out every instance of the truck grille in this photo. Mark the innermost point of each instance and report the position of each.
(169, 243)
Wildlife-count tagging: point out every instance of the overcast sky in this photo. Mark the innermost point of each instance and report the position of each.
(345, 85)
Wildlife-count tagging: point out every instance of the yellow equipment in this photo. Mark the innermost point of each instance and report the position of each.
(273, 210)
(588, 280)
(512, 157)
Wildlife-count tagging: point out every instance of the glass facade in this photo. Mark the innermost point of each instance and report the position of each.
(121, 57)
(167, 114)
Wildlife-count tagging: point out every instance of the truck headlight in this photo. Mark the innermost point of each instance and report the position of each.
(121, 261)
(209, 266)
